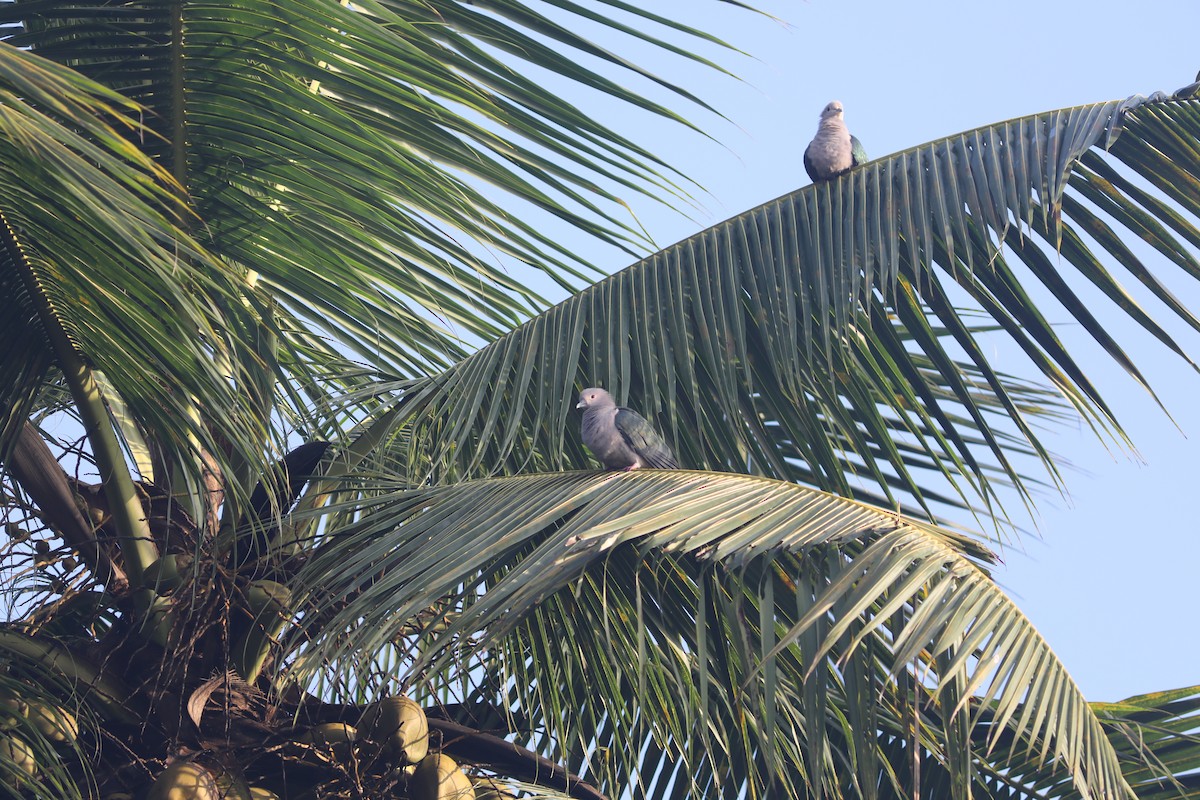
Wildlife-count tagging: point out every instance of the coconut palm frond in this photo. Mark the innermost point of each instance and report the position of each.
(806, 334)
(746, 626)
(1156, 737)
(94, 254)
(377, 164)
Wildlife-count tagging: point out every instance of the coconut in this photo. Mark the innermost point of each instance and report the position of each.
(438, 777)
(332, 737)
(17, 750)
(490, 790)
(11, 711)
(167, 573)
(399, 726)
(184, 780)
(55, 723)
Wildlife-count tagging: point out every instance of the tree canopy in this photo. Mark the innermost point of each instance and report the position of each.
(322, 452)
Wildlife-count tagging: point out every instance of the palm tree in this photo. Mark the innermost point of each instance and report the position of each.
(261, 484)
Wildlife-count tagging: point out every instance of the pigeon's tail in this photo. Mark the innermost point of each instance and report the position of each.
(660, 457)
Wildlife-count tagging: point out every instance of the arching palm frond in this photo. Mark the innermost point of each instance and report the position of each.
(808, 334)
(747, 630)
(1156, 737)
(344, 152)
(93, 254)
(330, 158)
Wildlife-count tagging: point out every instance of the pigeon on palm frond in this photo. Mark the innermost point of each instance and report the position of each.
(834, 150)
(621, 438)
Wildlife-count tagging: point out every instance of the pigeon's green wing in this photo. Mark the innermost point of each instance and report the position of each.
(644, 440)
(809, 167)
(858, 154)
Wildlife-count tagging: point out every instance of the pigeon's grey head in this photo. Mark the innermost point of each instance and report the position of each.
(595, 398)
(833, 109)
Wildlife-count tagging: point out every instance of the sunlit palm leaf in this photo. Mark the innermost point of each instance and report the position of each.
(831, 315)
(339, 150)
(704, 611)
(1156, 737)
(1159, 730)
(95, 259)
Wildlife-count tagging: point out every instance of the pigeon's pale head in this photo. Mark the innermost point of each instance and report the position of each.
(833, 109)
(594, 396)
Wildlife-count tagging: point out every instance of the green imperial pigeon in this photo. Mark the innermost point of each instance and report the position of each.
(620, 438)
(833, 150)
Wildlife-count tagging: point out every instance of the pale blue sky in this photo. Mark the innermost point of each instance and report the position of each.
(1111, 583)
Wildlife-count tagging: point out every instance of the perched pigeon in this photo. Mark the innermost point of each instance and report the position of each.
(620, 438)
(833, 150)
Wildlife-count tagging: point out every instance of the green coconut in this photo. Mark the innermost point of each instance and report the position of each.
(17, 750)
(184, 780)
(56, 724)
(399, 726)
(167, 574)
(332, 737)
(490, 790)
(232, 785)
(438, 777)
(12, 709)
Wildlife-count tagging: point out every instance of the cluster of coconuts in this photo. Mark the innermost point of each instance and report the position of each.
(397, 728)
(54, 723)
(394, 729)
(43, 556)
